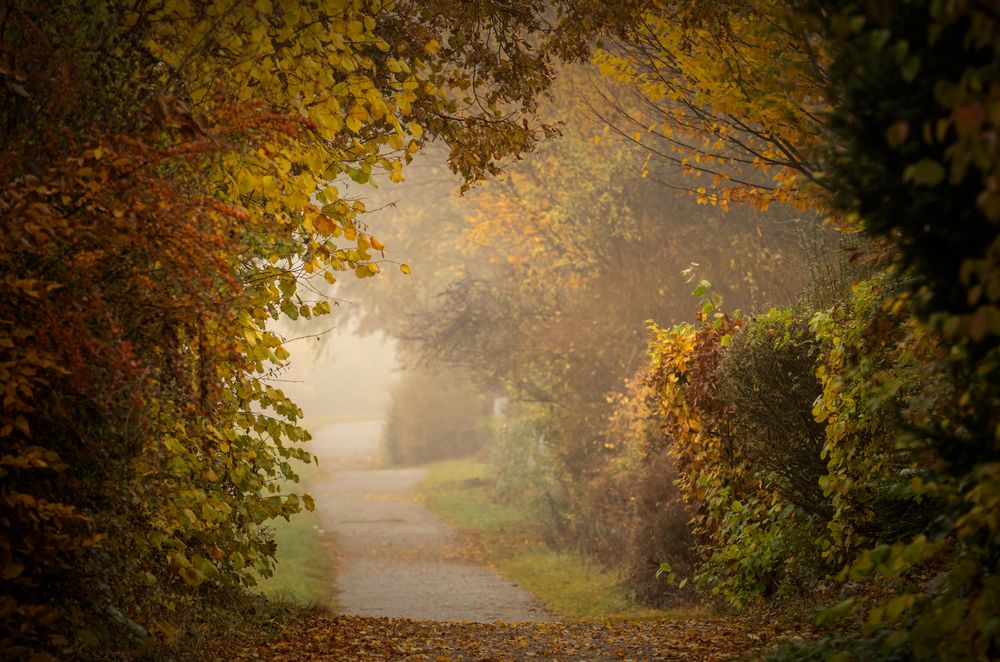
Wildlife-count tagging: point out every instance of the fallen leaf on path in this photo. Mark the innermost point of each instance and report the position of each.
(329, 637)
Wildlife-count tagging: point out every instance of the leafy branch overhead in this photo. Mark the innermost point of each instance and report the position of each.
(175, 179)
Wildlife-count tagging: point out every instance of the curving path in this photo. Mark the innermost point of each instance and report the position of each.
(395, 558)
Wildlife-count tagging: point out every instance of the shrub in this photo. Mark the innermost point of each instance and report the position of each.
(899, 73)
(730, 502)
(638, 519)
(142, 443)
(766, 377)
(435, 414)
(660, 558)
(528, 475)
(747, 468)
(879, 381)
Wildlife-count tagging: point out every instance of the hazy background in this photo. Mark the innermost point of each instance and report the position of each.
(315, 377)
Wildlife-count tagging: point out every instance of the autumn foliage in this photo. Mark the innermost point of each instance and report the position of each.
(881, 491)
(839, 446)
(541, 284)
(134, 372)
(178, 175)
(168, 189)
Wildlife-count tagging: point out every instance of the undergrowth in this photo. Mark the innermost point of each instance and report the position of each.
(461, 493)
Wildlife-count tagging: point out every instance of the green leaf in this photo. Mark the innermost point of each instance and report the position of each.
(834, 613)
(898, 606)
(910, 68)
(926, 172)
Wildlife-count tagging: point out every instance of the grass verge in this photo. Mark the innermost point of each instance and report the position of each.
(218, 623)
(460, 492)
(304, 571)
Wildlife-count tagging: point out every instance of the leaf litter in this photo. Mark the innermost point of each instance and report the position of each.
(325, 636)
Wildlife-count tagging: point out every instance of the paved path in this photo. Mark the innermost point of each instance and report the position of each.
(394, 557)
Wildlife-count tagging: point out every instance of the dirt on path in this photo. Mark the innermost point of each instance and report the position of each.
(395, 558)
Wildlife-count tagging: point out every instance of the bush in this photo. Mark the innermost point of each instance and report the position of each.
(880, 384)
(797, 442)
(435, 414)
(626, 513)
(734, 396)
(660, 557)
(766, 381)
(767, 378)
(634, 512)
(527, 474)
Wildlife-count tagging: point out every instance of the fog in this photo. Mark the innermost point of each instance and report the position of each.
(514, 290)
(339, 374)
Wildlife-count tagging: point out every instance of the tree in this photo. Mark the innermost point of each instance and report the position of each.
(560, 264)
(732, 93)
(916, 110)
(170, 187)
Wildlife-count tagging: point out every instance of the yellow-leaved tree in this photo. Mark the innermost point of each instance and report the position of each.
(172, 182)
(729, 93)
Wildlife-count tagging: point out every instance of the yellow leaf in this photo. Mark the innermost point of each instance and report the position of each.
(405, 268)
(11, 571)
(325, 225)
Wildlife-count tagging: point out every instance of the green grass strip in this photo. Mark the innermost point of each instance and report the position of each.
(304, 572)
(460, 493)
